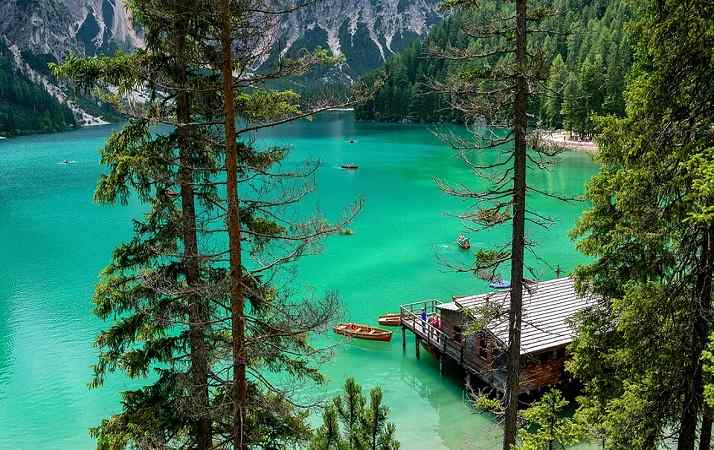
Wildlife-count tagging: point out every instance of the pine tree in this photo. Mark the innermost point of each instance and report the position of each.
(349, 423)
(173, 287)
(547, 424)
(553, 102)
(496, 80)
(268, 329)
(572, 110)
(639, 350)
(155, 282)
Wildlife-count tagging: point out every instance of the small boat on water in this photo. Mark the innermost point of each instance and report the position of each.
(350, 166)
(390, 320)
(361, 331)
(500, 284)
(463, 242)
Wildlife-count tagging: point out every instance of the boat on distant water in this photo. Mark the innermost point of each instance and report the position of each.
(361, 331)
(500, 284)
(463, 242)
(66, 162)
(390, 320)
(350, 166)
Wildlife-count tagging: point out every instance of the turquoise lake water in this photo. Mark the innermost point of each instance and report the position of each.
(54, 241)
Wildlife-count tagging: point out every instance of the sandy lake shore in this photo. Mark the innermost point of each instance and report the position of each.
(561, 138)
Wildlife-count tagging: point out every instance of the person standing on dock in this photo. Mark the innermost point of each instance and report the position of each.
(424, 316)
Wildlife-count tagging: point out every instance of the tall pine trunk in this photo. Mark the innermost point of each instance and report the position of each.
(520, 123)
(234, 234)
(197, 308)
(694, 391)
(705, 437)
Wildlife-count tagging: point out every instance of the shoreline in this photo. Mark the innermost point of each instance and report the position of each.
(45, 132)
(560, 138)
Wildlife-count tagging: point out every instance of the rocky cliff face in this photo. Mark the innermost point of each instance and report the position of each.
(58, 27)
(55, 28)
(365, 31)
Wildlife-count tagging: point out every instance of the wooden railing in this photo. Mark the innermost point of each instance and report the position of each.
(410, 317)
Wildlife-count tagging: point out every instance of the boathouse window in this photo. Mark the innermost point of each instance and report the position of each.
(482, 347)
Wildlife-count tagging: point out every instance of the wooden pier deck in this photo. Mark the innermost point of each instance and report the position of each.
(438, 342)
(546, 332)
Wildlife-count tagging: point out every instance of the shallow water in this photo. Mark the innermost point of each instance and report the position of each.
(54, 241)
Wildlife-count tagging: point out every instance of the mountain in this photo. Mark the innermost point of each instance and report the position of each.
(58, 27)
(365, 32)
(36, 32)
(25, 104)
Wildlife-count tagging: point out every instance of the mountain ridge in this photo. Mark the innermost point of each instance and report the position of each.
(365, 32)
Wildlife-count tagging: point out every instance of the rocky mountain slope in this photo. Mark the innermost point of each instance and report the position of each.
(365, 32)
(58, 27)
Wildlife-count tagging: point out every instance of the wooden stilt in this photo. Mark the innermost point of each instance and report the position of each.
(441, 364)
(404, 339)
(416, 346)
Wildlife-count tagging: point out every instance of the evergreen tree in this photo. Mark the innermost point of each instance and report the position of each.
(492, 85)
(553, 102)
(177, 295)
(639, 349)
(547, 425)
(349, 423)
(572, 111)
(578, 31)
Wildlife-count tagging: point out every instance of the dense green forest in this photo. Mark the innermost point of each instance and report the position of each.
(26, 107)
(586, 48)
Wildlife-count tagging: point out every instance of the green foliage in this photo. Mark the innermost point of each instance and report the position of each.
(589, 57)
(26, 107)
(263, 105)
(349, 423)
(485, 403)
(548, 425)
(639, 349)
(120, 70)
(166, 294)
(708, 359)
(488, 259)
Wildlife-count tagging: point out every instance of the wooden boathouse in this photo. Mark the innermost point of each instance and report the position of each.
(447, 332)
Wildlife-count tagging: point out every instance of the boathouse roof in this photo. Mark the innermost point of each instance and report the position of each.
(547, 306)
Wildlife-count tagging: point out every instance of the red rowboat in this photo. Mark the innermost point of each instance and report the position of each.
(389, 320)
(361, 331)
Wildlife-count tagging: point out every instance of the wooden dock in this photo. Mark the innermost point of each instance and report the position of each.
(441, 344)
(547, 330)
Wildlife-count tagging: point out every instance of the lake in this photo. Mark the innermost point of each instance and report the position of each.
(54, 241)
